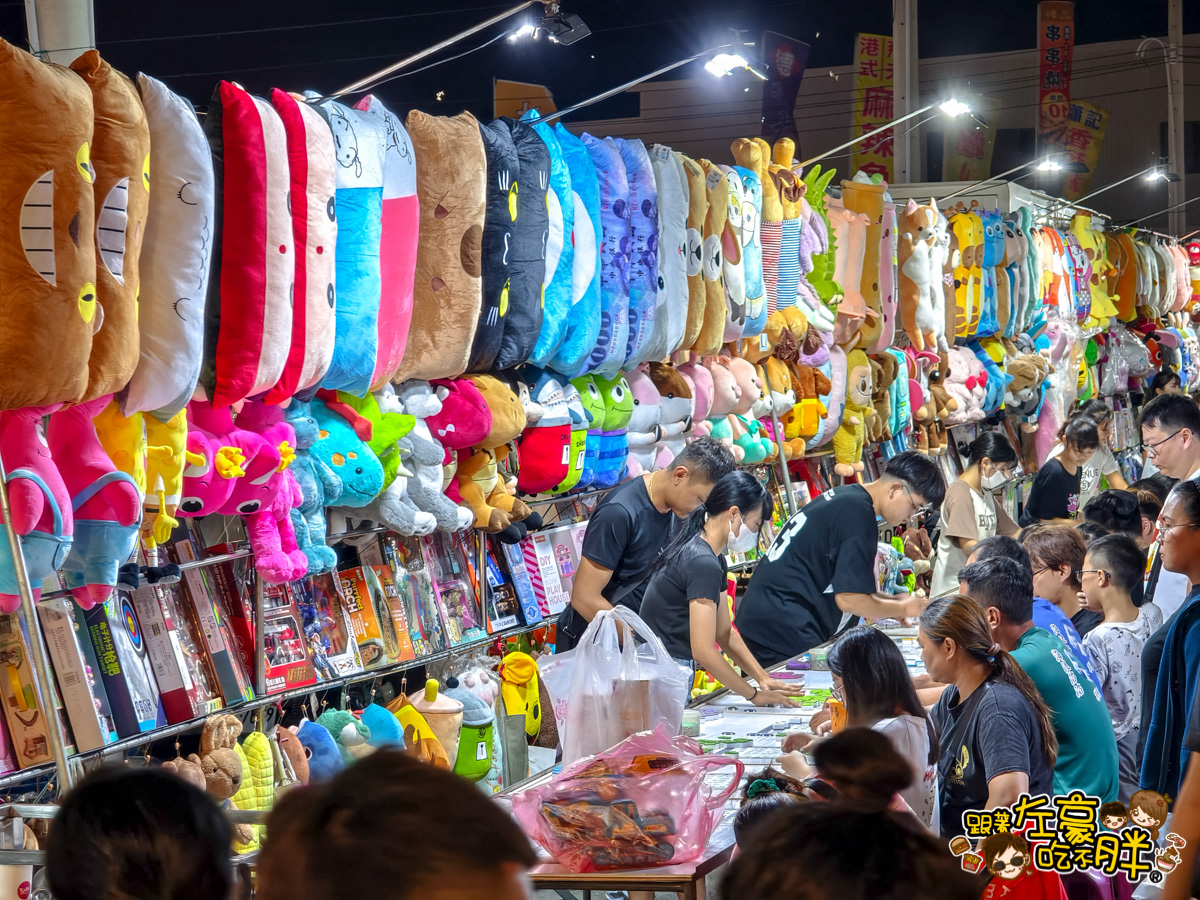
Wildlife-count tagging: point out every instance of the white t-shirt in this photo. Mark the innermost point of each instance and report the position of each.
(1101, 463)
(910, 736)
(970, 515)
(1116, 653)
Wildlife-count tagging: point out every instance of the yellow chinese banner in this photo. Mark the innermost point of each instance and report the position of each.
(515, 98)
(1086, 124)
(873, 104)
(967, 146)
(1056, 41)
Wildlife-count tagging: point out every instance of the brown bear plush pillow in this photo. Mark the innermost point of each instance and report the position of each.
(47, 215)
(448, 293)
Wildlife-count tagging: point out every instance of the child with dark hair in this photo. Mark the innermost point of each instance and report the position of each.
(139, 833)
(1116, 512)
(1054, 494)
(1111, 576)
(1103, 463)
(766, 792)
(1091, 531)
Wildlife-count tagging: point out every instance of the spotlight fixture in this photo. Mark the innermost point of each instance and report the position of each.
(954, 108)
(564, 28)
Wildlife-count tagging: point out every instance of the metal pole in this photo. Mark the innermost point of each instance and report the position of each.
(43, 675)
(906, 59)
(1066, 204)
(787, 479)
(260, 639)
(1175, 84)
(871, 133)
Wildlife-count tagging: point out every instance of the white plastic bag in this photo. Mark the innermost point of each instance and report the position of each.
(623, 682)
(555, 672)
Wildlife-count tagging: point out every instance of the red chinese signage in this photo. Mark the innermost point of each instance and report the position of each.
(873, 104)
(1056, 39)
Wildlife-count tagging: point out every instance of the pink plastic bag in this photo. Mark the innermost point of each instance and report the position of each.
(644, 803)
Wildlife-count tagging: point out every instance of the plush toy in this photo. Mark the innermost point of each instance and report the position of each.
(383, 726)
(676, 406)
(756, 299)
(883, 374)
(993, 246)
(614, 440)
(463, 421)
(644, 423)
(755, 158)
(917, 229)
(822, 277)
(749, 436)
(848, 441)
(293, 754)
(642, 274)
(189, 771)
(397, 241)
(349, 733)
(700, 380)
(443, 714)
(725, 397)
(248, 312)
(712, 327)
(477, 736)
(791, 192)
(958, 384)
(324, 757)
(609, 353)
(417, 399)
(850, 234)
(943, 405)
(221, 764)
(174, 262)
(447, 294)
(583, 321)
(519, 690)
(258, 783)
(319, 486)
(166, 446)
(545, 443)
(580, 423)
(314, 170)
(419, 739)
(697, 213)
(731, 259)
(808, 364)
(835, 404)
(341, 450)
(560, 253)
(1023, 398)
(592, 403)
(862, 196)
(670, 180)
(783, 402)
(213, 458)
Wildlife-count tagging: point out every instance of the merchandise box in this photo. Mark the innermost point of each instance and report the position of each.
(77, 673)
(457, 599)
(27, 725)
(415, 585)
(218, 643)
(331, 644)
(501, 607)
(8, 755)
(376, 615)
(514, 559)
(555, 560)
(287, 660)
(232, 586)
(125, 667)
(175, 658)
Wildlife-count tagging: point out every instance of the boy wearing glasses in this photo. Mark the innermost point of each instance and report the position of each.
(1111, 577)
(818, 576)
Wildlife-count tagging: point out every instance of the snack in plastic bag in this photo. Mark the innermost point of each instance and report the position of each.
(646, 802)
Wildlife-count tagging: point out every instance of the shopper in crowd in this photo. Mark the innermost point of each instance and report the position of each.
(1054, 494)
(819, 574)
(1165, 381)
(1184, 882)
(1090, 531)
(871, 678)
(1046, 615)
(1103, 463)
(685, 601)
(392, 828)
(765, 793)
(1175, 668)
(1116, 511)
(630, 527)
(971, 512)
(1087, 749)
(1112, 574)
(997, 740)
(139, 833)
(1056, 554)
(1170, 427)
(1149, 508)
(857, 765)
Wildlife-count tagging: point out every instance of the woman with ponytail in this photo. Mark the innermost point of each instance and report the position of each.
(685, 599)
(1054, 494)
(1102, 463)
(970, 512)
(997, 738)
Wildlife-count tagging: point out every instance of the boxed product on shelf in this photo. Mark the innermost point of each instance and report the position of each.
(501, 608)
(27, 725)
(514, 560)
(79, 683)
(218, 642)
(417, 591)
(125, 669)
(453, 585)
(232, 586)
(287, 662)
(555, 556)
(376, 616)
(331, 644)
(175, 657)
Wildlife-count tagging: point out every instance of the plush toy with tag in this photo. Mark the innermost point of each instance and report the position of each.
(677, 407)
(612, 466)
(697, 213)
(848, 441)
(545, 444)
(644, 423)
(609, 353)
(580, 423)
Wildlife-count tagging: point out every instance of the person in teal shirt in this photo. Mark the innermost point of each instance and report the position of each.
(1087, 747)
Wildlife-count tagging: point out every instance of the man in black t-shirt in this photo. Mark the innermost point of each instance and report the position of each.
(819, 574)
(629, 529)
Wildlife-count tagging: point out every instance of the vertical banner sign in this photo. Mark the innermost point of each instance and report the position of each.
(1056, 39)
(967, 146)
(873, 104)
(787, 58)
(1086, 124)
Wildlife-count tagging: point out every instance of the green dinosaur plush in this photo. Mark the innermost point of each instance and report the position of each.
(386, 430)
(349, 733)
(821, 277)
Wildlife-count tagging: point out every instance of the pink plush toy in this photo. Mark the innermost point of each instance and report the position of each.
(215, 457)
(267, 494)
(462, 423)
(701, 381)
(644, 425)
(106, 503)
(40, 501)
(726, 395)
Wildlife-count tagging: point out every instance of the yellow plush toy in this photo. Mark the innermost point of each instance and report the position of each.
(258, 783)
(166, 453)
(848, 441)
(124, 440)
(419, 739)
(519, 690)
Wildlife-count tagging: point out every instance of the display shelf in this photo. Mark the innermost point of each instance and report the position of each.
(216, 560)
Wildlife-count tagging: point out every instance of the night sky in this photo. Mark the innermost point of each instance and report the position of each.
(304, 44)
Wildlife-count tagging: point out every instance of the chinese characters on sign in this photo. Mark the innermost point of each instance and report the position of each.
(1086, 124)
(967, 145)
(1056, 39)
(1065, 834)
(873, 104)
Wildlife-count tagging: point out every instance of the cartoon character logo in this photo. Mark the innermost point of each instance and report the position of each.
(1113, 816)
(1148, 809)
(1006, 855)
(344, 142)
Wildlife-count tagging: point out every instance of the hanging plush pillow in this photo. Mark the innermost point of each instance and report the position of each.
(173, 267)
(752, 258)
(697, 197)
(712, 327)
(313, 177)
(48, 261)
(560, 255)
(498, 222)
(731, 251)
(358, 142)
(451, 186)
(670, 319)
(121, 158)
(527, 260)
(397, 243)
(248, 314)
(583, 319)
(643, 251)
(609, 353)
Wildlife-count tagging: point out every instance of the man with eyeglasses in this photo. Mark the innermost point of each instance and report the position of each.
(818, 576)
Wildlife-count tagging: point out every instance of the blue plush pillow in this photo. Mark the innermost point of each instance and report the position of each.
(643, 250)
(560, 255)
(583, 320)
(752, 259)
(608, 355)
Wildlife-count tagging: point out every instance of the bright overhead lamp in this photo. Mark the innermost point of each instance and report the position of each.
(1160, 174)
(954, 108)
(1152, 174)
(724, 63)
(1052, 163)
(951, 107)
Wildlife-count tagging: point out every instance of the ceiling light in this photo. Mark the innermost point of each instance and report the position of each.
(954, 108)
(724, 63)
(524, 31)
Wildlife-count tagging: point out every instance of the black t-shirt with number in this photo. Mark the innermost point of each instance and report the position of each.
(826, 548)
(696, 574)
(1054, 494)
(1001, 735)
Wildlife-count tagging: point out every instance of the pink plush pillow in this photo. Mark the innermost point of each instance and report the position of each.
(248, 319)
(313, 180)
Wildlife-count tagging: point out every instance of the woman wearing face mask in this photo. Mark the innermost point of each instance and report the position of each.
(1102, 463)
(1054, 494)
(971, 511)
(685, 599)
